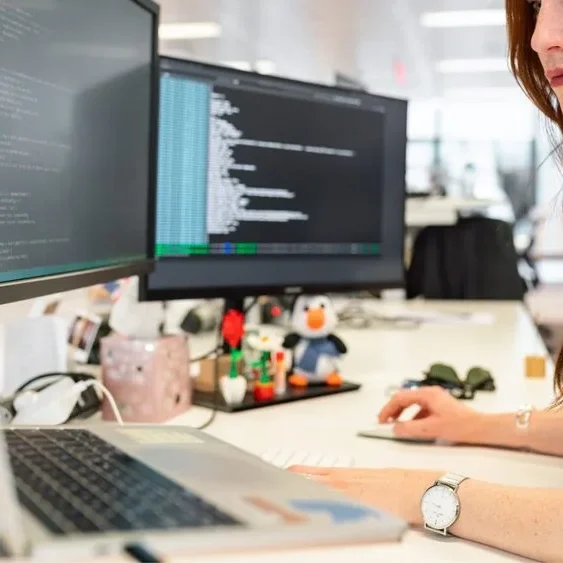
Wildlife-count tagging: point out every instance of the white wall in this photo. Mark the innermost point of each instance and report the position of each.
(422, 119)
(469, 129)
(508, 118)
(550, 200)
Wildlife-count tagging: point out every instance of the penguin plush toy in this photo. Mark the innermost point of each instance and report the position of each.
(316, 350)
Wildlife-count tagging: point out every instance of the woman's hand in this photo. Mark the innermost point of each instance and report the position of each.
(395, 491)
(441, 416)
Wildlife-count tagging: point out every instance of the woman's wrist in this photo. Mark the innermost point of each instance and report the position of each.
(410, 486)
(538, 431)
(469, 429)
(498, 430)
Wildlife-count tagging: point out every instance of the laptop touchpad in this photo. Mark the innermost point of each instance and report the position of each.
(218, 464)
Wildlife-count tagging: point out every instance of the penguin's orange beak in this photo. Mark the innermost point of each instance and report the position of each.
(315, 318)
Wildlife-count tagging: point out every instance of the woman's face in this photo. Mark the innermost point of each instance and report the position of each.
(548, 43)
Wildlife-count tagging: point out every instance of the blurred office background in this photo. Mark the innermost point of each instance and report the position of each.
(472, 132)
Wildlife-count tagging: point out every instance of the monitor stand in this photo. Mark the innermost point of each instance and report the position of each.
(215, 400)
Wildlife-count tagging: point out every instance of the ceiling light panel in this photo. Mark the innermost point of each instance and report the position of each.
(464, 18)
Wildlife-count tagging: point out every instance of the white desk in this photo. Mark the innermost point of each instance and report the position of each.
(384, 356)
(422, 212)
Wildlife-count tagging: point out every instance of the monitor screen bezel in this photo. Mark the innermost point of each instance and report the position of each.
(150, 294)
(29, 288)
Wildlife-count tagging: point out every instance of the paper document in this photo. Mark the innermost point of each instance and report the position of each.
(436, 317)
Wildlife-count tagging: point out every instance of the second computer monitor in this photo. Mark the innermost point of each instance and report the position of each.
(268, 185)
(78, 134)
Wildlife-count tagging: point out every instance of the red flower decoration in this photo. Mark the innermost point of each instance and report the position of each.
(233, 328)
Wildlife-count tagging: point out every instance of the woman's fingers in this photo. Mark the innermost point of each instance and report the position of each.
(418, 428)
(422, 413)
(353, 489)
(312, 471)
(331, 474)
(405, 399)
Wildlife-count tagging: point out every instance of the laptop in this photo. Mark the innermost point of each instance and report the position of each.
(76, 492)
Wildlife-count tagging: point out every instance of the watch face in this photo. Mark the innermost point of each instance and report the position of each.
(440, 507)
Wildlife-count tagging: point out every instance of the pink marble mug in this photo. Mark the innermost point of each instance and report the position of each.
(149, 379)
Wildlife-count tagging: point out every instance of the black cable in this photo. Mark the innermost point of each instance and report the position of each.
(216, 389)
(252, 303)
(139, 552)
(75, 376)
(208, 355)
(216, 396)
(205, 356)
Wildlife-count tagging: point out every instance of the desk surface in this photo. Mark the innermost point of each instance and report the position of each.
(422, 212)
(384, 356)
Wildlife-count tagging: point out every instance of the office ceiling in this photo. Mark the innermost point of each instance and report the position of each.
(378, 42)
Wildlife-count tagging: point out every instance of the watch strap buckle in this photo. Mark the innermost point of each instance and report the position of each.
(443, 532)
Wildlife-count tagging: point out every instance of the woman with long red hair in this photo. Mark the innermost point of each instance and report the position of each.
(524, 521)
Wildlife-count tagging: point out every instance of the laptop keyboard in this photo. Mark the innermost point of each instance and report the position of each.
(75, 482)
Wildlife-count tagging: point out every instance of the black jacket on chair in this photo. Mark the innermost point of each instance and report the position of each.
(474, 259)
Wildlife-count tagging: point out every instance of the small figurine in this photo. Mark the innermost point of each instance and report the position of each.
(264, 386)
(316, 350)
(258, 342)
(264, 346)
(233, 386)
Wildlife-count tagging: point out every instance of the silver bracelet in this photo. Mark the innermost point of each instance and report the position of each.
(523, 416)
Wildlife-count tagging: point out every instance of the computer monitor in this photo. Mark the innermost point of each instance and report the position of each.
(349, 82)
(78, 115)
(272, 186)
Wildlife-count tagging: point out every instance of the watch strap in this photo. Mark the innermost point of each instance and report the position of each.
(452, 480)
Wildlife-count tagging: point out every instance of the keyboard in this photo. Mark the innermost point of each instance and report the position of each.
(75, 482)
(286, 458)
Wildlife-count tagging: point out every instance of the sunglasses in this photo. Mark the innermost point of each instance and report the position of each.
(477, 379)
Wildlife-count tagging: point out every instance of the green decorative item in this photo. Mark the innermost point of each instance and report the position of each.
(236, 356)
(264, 375)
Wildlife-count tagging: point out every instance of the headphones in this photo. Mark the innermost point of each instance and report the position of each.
(52, 398)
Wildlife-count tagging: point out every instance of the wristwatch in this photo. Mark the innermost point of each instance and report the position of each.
(440, 504)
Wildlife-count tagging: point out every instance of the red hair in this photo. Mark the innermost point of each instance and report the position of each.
(527, 68)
